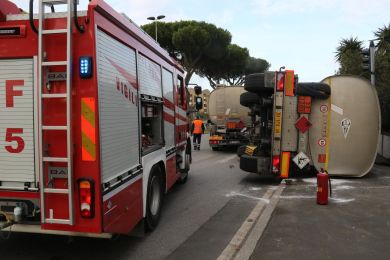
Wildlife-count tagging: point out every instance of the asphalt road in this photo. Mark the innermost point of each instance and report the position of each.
(198, 220)
(354, 225)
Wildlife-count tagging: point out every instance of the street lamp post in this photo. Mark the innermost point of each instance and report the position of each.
(155, 19)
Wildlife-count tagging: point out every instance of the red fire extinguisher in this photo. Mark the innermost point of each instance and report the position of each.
(322, 187)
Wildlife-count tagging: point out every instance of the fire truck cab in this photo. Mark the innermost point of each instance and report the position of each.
(93, 125)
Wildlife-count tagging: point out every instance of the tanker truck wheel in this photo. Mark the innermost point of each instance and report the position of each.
(315, 90)
(255, 83)
(248, 99)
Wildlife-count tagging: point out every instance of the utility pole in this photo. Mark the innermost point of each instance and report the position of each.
(155, 19)
(372, 62)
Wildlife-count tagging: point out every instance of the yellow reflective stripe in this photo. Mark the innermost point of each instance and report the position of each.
(328, 129)
(285, 166)
(88, 129)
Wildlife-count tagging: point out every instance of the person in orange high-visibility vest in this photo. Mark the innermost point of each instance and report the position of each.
(197, 129)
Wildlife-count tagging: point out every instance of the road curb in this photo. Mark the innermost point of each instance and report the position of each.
(245, 240)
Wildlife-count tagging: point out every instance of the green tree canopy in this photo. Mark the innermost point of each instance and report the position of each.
(205, 49)
(230, 67)
(191, 42)
(348, 54)
(382, 73)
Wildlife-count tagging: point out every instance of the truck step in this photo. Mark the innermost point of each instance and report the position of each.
(55, 31)
(61, 95)
(58, 221)
(55, 127)
(56, 191)
(55, 159)
(54, 63)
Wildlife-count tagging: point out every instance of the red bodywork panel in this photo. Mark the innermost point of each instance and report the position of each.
(7, 7)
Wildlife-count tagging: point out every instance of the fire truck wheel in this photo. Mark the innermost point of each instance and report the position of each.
(154, 198)
(248, 99)
(255, 83)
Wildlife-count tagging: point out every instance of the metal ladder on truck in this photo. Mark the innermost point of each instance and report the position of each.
(42, 67)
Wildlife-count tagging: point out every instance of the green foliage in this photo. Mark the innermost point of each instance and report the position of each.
(348, 54)
(205, 49)
(255, 65)
(191, 42)
(382, 74)
(230, 67)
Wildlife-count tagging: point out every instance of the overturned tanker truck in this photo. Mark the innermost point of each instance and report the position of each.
(333, 125)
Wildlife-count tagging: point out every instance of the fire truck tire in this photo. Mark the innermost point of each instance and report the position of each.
(255, 83)
(215, 148)
(312, 89)
(248, 99)
(154, 198)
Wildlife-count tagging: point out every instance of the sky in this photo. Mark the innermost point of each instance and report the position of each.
(299, 34)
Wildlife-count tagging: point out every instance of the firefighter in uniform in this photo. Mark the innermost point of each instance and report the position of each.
(197, 129)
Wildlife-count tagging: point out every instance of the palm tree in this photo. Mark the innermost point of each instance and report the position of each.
(348, 54)
(383, 35)
(382, 68)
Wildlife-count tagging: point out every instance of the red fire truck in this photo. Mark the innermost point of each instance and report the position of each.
(93, 125)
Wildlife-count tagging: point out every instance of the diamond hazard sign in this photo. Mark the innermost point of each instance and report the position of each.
(303, 124)
(301, 160)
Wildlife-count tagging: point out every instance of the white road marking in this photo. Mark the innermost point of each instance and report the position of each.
(337, 200)
(297, 197)
(225, 160)
(237, 194)
(252, 228)
(333, 181)
(343, 187)
(333, 199)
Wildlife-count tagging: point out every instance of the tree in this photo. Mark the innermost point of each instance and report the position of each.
(348, 54)
(256, 65)
(204, 49)
(231, 67)
(382, 75)
(191, 42)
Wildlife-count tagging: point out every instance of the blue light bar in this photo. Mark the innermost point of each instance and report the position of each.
(85, 67)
